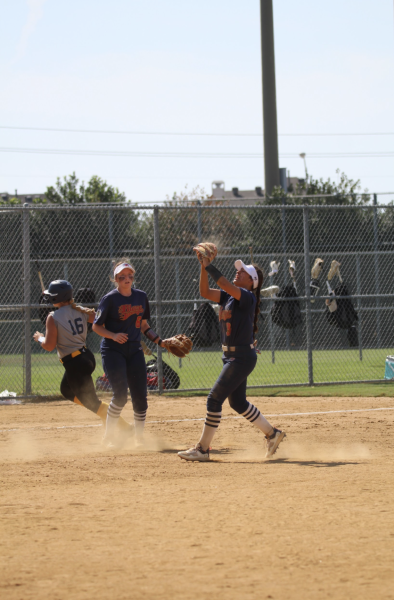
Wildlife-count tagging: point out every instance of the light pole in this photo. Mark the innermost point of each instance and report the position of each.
(303, 155)
(271, 158)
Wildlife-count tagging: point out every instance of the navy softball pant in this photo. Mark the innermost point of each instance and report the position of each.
(125, 368)
(232, 381)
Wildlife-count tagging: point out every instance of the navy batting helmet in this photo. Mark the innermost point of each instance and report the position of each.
(59, 291)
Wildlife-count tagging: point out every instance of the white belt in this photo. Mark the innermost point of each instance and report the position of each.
(234, 348)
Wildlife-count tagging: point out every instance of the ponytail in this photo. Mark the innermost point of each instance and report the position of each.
(82, 309)
(256, 292)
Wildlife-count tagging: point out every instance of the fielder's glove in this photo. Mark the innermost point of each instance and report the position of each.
(178, 345)
(206, 250)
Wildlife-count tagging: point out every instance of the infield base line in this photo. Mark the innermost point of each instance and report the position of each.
(296, 414)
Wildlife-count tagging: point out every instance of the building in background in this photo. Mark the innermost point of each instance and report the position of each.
(237, 197)
(23, 198)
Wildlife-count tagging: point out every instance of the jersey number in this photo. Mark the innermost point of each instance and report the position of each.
(78, 326)
(228, 329)
(138, 322)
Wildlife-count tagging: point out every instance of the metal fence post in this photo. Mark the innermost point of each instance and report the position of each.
(178, 297)
(308, 313)
(111, 237)
(284, 250)
(156, 232)
(360, 318)
(26, 296)
(199, 222)
(376, 262)
(271, 326)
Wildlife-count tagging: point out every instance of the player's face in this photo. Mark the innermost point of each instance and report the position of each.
(243, 279)
(124, 280)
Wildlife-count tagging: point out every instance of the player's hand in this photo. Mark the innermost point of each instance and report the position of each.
(121, 338)
(37, 335)
(206, 261)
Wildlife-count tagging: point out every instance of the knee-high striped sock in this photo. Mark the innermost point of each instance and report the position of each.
(254, 416)
(102, 413)
(139, 423)
(212, 422)
(113, 415)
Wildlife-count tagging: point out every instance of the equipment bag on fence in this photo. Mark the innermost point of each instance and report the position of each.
(171, 377)
(171, 380)
(103, 384)
(204, 326)
(345, 316)
(287, 314)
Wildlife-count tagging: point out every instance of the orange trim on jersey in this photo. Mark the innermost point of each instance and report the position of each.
(127, 310)
(224, 315)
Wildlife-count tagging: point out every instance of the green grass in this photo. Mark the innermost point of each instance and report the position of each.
(202, 369)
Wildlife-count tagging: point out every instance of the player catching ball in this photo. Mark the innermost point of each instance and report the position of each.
(122, 315)
(239, 309)
(66, 330)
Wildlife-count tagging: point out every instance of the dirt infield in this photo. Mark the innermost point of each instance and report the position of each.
(81, 523)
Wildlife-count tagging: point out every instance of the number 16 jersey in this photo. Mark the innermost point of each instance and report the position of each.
(72, 329)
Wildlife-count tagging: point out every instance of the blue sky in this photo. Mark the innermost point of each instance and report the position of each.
(182, 67)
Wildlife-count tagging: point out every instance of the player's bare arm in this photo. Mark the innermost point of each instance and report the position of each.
(205, 290)
(121, 338)
(222, 282)
(50, 338)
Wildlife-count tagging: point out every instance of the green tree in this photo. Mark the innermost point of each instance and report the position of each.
(330, 230)
(69, 191)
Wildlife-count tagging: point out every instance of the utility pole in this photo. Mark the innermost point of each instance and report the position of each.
(271, 158)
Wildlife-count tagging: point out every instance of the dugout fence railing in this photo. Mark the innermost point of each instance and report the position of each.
(81, 244)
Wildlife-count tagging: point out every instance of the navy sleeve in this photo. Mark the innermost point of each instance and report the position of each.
(102, 311)
(224, 296)
(247, 299)
(146, 314)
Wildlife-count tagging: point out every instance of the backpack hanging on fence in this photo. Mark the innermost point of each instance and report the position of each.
(345, 316)
(171, 380)
(204, 326)
(287, 314)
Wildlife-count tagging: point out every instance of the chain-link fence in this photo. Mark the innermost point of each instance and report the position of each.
(304, 343)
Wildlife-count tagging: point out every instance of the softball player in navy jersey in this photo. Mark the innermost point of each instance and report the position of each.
(66, 330)
(121, 316)
(239, 309)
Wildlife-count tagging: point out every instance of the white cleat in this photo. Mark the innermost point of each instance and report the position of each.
(108, 443)
(273, 442)
(196, 453)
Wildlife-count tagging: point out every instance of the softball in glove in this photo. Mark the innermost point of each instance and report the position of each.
(206, 249)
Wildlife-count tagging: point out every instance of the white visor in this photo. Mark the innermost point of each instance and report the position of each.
(250, 271)
(121, 267)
